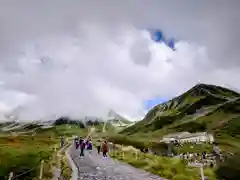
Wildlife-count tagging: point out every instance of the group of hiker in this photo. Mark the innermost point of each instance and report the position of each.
(86, 143)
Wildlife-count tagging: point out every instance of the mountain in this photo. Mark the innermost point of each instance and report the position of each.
(117, 119)
(202, 108)
(115, 122)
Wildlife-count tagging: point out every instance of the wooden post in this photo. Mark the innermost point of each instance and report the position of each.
(136, 155)
(122, 152)
(55, 148)
(201, 172)
(41, 170)
(10, 176)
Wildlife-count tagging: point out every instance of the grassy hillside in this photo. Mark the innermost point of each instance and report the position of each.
(24, 144)
(203, 108)
(21, 153)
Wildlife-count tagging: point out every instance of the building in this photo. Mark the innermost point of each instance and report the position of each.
(186, 137)
(173, 137)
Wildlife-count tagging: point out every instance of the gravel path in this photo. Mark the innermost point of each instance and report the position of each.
(95, 167)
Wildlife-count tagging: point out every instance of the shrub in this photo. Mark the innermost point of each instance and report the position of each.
(230, 169)
(165, 167)
(127, 141)
(180, 177)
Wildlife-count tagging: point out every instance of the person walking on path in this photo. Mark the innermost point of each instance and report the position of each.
(62, 142)
(82, 147)
(98, 146)
(76, 142)
(105, 148)
(80, 140)
(89, 146)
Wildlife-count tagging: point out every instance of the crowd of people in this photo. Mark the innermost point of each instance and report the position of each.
(86, 144)
(203, 158)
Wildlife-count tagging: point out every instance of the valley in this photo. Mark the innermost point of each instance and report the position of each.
(204, 108)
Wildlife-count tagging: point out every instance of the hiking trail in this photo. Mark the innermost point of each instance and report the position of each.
(95, 167)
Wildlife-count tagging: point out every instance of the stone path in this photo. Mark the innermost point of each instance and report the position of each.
(95, 167)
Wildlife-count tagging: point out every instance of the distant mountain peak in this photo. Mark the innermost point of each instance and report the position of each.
(202, 89)
(117, 117)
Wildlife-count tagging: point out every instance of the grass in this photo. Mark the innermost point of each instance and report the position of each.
(169, 168)
(66, 171)
(22, 153)
(160, 148)
(196, 148)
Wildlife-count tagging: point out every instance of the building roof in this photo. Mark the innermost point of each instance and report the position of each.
(193, 135)
(177, 135)
(184, 135)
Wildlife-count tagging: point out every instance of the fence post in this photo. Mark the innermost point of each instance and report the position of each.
(10, 176)
(136, 153)
(122, 152)
(41, 170)
(201, 172)
(55, 148)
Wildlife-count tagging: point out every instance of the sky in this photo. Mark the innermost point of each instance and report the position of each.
(150, 103)
(81, 58)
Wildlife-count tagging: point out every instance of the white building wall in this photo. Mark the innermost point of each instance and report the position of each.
(197, 139)
(194, 139)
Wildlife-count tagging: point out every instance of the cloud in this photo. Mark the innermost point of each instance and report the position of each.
(82, 58)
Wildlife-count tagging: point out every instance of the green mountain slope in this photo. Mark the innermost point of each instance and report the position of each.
(203, 108)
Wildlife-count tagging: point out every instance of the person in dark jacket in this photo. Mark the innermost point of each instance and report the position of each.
(62, 142)
(82, 147)
(98, 146)
(80, 140)
(76, 142)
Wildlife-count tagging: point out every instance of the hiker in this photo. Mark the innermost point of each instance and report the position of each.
(76, 142)
(105, 149)
(80, 140)
(62, 141)
(87, 141)
(82, 147)
(89, 146)
(98, 146)
(211, 164)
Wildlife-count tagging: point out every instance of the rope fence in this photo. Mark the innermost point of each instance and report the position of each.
(12, 177)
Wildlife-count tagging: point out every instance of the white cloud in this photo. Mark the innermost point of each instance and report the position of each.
(77, 66)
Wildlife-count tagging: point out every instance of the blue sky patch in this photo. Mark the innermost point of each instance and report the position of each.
(148, 104)
(158, 36)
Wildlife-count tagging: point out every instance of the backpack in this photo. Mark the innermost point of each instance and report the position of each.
(89, 146)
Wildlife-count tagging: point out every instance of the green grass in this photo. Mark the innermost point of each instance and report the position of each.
(22, 153)
(169, 168)
(196, 148)
(66, 171)
(161, 148)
